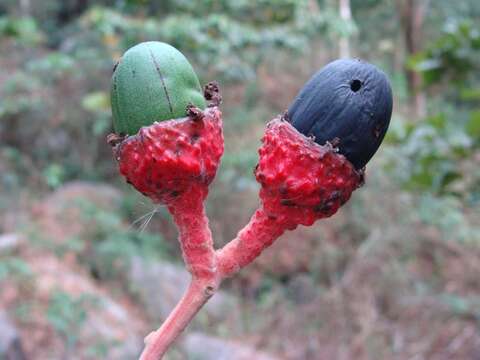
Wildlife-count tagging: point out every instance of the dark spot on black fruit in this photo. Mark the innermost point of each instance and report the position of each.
(377, 130)
(347, 99)
(355, 85)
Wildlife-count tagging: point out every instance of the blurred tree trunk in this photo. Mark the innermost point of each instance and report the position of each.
(25, 7)
(412, 16)
(346, 15)
(318, 57)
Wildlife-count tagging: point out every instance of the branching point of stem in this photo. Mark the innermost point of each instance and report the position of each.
(158, 342)
(258, 234)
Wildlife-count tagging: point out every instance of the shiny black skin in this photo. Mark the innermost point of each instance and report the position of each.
(347, 103)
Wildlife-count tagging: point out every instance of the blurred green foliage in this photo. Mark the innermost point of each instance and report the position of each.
(224, 38)
(13, 268)
(67, 314)
(112, 246)
(453, 57)
(438, 153)
(23, 30)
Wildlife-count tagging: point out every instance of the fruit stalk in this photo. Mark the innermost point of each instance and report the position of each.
(196, 242)
(208, 268)
(195, 237)
(158, 342)
(260, 232)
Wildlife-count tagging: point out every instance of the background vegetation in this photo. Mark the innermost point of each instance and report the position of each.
(85, 262)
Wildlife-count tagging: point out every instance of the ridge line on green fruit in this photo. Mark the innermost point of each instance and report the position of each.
(153, 81)
(157, 67)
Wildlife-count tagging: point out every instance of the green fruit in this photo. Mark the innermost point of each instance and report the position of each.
(153, 82)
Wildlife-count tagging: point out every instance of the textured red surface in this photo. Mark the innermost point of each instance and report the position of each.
(260, 232)
(301, 182)
(165, 160)
(195, 236)
(172, 163)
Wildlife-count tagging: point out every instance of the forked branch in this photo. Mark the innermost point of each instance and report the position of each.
(207, 274)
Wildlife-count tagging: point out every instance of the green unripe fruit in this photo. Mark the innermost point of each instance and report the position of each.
(153, 82)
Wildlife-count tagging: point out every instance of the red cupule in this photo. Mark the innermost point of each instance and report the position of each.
(165, 160)
(173, 162)
(301, 182)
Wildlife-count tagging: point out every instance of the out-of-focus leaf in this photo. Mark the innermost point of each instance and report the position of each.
(22, 29)
(96, 101)
(453, 56)
(54, 175)
(470, 94)
(438, 121)
(230, 38)
(473, 125)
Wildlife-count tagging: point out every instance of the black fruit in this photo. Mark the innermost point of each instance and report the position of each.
(348, 103)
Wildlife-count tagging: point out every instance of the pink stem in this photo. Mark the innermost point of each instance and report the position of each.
(258, 234)
(158, 342)
(197, 248)
(195, 236)
(207, 267)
